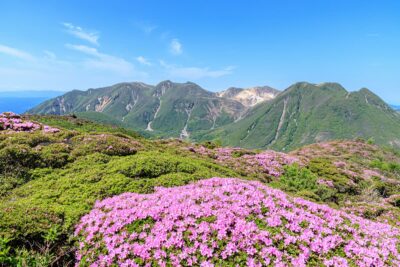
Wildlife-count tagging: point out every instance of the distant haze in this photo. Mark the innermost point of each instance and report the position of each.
(31, 93)
(21, 101)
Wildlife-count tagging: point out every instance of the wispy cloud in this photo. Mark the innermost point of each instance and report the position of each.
(14, 52)
(49, 54)
(175, 47)
(193, 73)
(98, 60)
(48, 71)
(78, 32)
(146, 27)
(144, 61)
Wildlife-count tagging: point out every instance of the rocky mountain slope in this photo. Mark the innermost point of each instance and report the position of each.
(250, 96)
(307, 113)
(73, 192)
(167, 109)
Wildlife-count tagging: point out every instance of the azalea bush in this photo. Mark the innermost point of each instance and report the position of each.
(230, 222)
(267, 164)
(13, 122)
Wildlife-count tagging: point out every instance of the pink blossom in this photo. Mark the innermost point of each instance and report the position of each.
(221, 218)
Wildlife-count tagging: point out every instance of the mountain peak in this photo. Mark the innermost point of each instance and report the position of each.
(332, 86)
(326, 86)
(166, 83)
(365, 90)
(250, 96)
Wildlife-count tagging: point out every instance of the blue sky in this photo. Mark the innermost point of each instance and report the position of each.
(64, 45)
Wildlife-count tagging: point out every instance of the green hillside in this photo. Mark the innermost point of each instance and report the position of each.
(306, 113)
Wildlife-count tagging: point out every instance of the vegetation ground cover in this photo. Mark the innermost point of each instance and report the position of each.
(50, 179)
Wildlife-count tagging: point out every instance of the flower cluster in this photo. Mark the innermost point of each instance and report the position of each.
(267, 162)
(271, 162)
(368, 174)
(229, 221)
(13, 122)
(327, 183)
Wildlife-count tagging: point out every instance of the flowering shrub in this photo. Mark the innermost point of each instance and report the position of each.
(327, 183)
(230, 222)
(268, 162)
(13, 122)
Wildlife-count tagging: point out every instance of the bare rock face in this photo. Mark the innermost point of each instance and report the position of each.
(250, 96)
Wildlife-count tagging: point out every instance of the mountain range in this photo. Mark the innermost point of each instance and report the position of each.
(166, 110)
(257, 117)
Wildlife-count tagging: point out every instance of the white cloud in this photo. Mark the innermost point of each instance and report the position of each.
(194, 73)
(14, 52)
(91, 37)
(103, 61)
(175, 47)
(144, 61)
(84, 49)
(94, 69)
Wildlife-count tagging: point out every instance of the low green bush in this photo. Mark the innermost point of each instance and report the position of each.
(325, 169)
(296, 179)
(104, 143)
(386, 166)
(54, 155)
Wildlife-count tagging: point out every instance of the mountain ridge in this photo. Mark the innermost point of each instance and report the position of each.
(166, 109)
(303, 113)
(307, 113)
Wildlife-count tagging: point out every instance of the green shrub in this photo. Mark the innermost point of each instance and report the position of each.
(239, 153)
(5, 252)
(297, 179)
(15, 163)
(210, 144)
(327, 194)
(54, 155)
(18, 155)
(26, 138)
(393, 167)
(325, 169)
(103, 143)
(308, 195)
(154, 164)
(373, 213)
